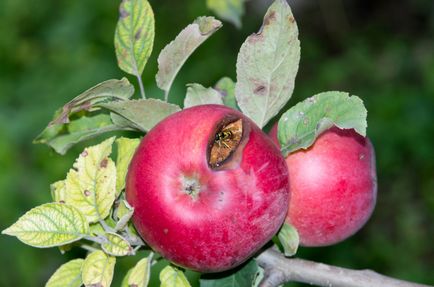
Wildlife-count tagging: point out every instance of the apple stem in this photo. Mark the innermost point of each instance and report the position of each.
(279, 270)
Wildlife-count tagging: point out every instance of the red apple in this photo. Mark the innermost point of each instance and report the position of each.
(333, 186)
(208, 188)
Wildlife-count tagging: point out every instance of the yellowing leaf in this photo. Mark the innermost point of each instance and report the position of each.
(174, 55)
(58, 191)
(67, 275)
(91, 184)
(126, 149)
(134, 36)
(229, 10)
(267, 65)
(50, 224)
(98, 269)
(126, 278)
(116, 245)
(173, 277)
(300, 125)
(140, 273)
(199, 95)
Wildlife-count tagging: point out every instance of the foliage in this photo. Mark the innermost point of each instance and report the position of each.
(329, 74)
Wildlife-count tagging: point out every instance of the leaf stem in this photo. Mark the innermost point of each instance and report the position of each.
(106, 227)
(166, 95)
(142, 89)
(96, 239)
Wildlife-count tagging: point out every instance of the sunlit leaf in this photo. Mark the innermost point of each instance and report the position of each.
(91, 184)
(243, 277)
(50, 224)
(229, 10)
(226, 87)
(267, 65)
(199, 95)
(116, 245)
(98, 269)
(58, 191)
(134, 36)
(126, 148)
(143, 114)
(288, 237)
(141, 273)
(300, 125)
(174, 55)
(67, 275)
(173, 277)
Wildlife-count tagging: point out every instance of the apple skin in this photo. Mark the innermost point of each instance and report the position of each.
(333, 186)
(238, 208)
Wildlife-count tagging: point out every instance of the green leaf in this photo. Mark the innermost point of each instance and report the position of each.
(49, 225)
(62, 133)
(228, 10)
(58, 191)
(288, 237)
(226, 87)
(143, 114)
(91, 184)
(96, 229)
(267, 65)
(126, 278)
(116, 245)
(134, 35)
(67, 275)
(174, 55)
(123, 214)
(98, 269)
(241, 277)
(300, 125)
(140, 273)
(173, 277)
(126, 148)
(79, 130)
(199, 95)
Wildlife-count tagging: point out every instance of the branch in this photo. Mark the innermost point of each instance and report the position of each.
(279, 270)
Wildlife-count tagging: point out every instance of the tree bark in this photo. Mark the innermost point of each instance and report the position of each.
(279, 270)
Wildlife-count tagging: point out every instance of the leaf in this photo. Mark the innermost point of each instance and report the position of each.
(226, 87)
(229, 10)
(267, 65)
(143, 114)
(140, 273)
(173, 277)
(174, 55)
(49, 225)
(91, 184)
(288, 237)
(134, 35)
(98, 269)
(242, 277)
(199, 95)
(300, 125)
(126, 278)
(58, 191)
(69, 274)
(62, 132)
(79, 130)
(126, 149)
(116, 245)
(123, 213)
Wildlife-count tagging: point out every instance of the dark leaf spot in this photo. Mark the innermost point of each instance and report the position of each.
(123, 13)
(84, 153)
(269, 18)
(103, 163)
(86, 192)
(138, 34)
(259, 89)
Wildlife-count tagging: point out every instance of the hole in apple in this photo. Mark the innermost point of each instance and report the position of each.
(226, 140)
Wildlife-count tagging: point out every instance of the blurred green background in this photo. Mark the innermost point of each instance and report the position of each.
(382, 51)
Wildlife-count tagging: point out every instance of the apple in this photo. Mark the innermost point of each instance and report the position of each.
(333, 186)
(208, 188)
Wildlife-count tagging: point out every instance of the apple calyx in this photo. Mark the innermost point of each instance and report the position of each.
(191, 186)
(225, 142)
